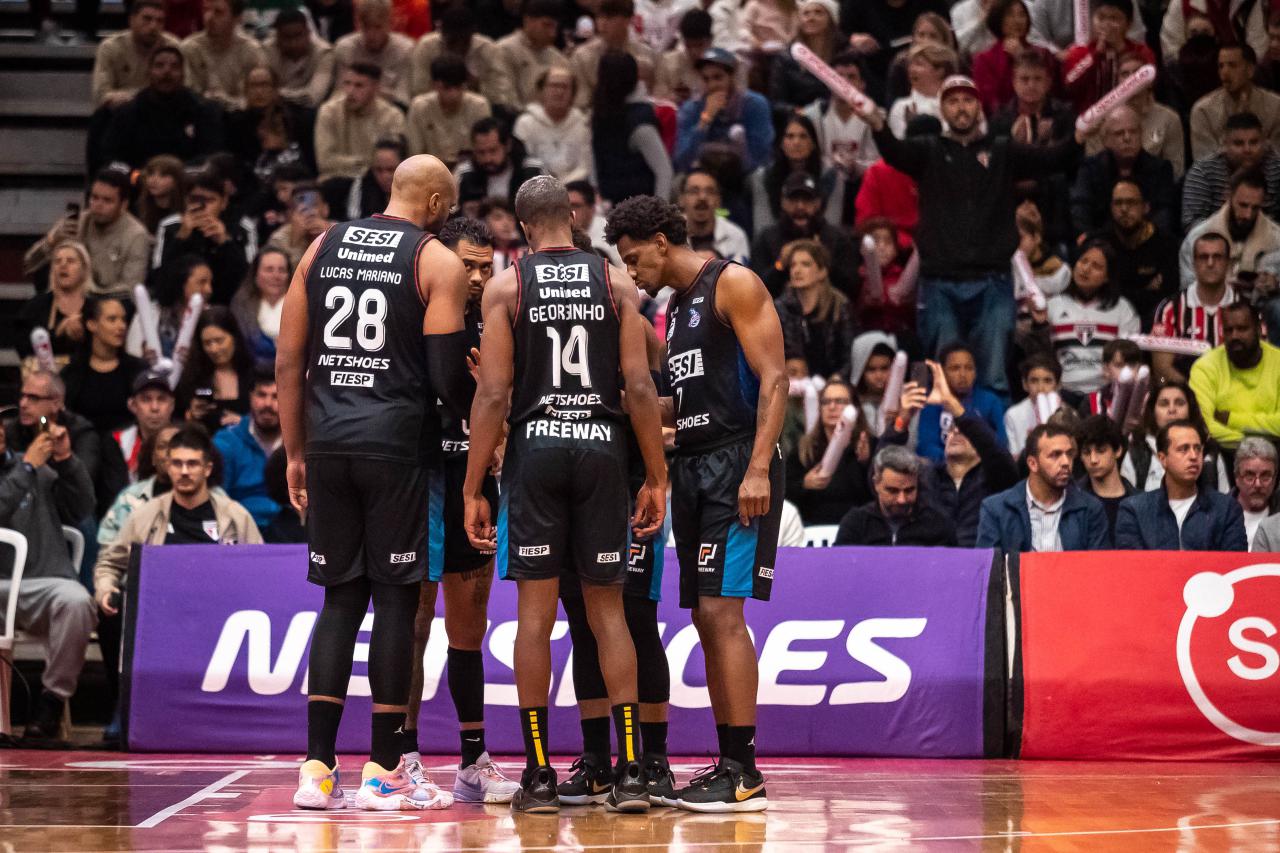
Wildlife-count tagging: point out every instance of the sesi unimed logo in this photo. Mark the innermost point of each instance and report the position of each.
(1226, 637)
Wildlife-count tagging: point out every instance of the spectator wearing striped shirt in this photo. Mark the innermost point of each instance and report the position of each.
(1243, 147)
(1194, 313)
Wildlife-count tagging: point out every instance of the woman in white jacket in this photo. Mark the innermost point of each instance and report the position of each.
(554, 131)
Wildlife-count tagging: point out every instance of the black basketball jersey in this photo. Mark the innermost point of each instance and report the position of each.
(367, 388)
(566, 339)
(455, 438)
(714, 388)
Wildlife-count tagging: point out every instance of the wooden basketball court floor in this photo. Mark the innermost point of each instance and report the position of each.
(96, 801)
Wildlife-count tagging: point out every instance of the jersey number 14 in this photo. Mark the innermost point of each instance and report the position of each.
(571, 358)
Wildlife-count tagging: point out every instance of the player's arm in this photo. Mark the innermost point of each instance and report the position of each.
(642, 403)
(657, 352)
(442, 284)
(492, 402)
(744, 303)
(291, 377)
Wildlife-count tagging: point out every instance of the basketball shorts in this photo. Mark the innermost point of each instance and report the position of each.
(451, 551)
(564, 506)
(366, 518)
(719, 557)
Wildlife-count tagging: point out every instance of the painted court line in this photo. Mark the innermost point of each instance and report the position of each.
(164, 814)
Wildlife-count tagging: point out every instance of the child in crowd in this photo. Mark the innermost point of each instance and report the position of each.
(1041, 374)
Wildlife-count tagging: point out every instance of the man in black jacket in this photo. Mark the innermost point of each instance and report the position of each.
(967, 231)
(897, 516)
(164, 118)
(802, 219)
(497, 166)
(975, 464)
(209, 228)
(1123, 157)
(1146, 256)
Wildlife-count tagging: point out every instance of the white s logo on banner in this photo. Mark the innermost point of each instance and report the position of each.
(1210, 595)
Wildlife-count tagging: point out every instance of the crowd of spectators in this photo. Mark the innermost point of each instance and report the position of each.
(221, 144)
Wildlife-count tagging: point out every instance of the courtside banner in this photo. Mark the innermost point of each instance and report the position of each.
(862, 652)
(1138, 655)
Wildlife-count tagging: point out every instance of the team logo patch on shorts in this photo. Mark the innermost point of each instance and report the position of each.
(534, 551)
(408, 557)
(608, 557)
(706, 553)
(318, 559)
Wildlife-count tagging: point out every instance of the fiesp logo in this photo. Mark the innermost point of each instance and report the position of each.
(1239, 650)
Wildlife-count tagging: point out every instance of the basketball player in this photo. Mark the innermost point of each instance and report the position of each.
(725, 371)
(467, 573)
(592, 777)
(355, 380)
(559, 326)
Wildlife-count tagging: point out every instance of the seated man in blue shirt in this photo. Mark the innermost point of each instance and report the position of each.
(935, 422)
(246, 446)
(1181, 516)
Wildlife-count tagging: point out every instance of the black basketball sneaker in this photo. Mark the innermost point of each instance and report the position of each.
(660, 781)
(590, 783)
(537, 794)
(729, 787)
(629, 793)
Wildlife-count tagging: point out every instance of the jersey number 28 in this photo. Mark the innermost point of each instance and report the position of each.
(371, 317)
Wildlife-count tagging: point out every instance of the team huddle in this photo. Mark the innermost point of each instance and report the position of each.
(441, 421)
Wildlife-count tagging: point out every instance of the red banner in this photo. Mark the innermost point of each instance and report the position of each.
(1139, 655)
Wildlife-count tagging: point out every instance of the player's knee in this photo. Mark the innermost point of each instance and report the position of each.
(719, 616)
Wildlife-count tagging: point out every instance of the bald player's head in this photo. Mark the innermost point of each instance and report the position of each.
(422, 191)
(542, 204)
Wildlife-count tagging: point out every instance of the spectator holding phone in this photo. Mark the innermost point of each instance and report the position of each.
(308, 219)
(42, 403)
(43, 486)
(208, 229)
(218, 379)
(936, 421)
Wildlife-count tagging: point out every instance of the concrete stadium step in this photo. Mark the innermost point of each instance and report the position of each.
(27, 212)
(43, 151)
(45, 94)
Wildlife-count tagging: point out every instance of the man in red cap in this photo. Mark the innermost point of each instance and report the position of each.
(966, 234)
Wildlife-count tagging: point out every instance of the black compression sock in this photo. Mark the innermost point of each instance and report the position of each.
(626, 719)
(742, 746)
(408, 740)
(466, 683)
(653, 736)
(533, 723)
(322, 731)
(722, 738)
(386, 742)
(595, 738)
(472, 746)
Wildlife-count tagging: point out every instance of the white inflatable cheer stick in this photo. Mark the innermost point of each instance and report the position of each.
(1046, 405)
(1136, 82)
(893, 390)
(873, 282)
(187, 331)
(1024, 282)
(150, 325)
(839, 441)
(809, 389)
(1082, 21)
(839, 86)
(43, 348)
(1121, 391)
(906, 284)
(1164, 343)
(1137, 400)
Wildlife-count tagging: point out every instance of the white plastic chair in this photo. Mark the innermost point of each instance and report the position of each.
(18, 542)
(820, 535)
(75, 541)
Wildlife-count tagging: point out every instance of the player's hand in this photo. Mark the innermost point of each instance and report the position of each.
(104, 602)
(295, 474)
(753, 496)
(651, 510)
(479, 524)
(473, 364)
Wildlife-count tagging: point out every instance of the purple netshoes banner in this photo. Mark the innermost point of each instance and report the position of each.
(863, 651)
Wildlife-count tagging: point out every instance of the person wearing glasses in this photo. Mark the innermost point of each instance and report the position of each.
(1256, 463)
(42, 404)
